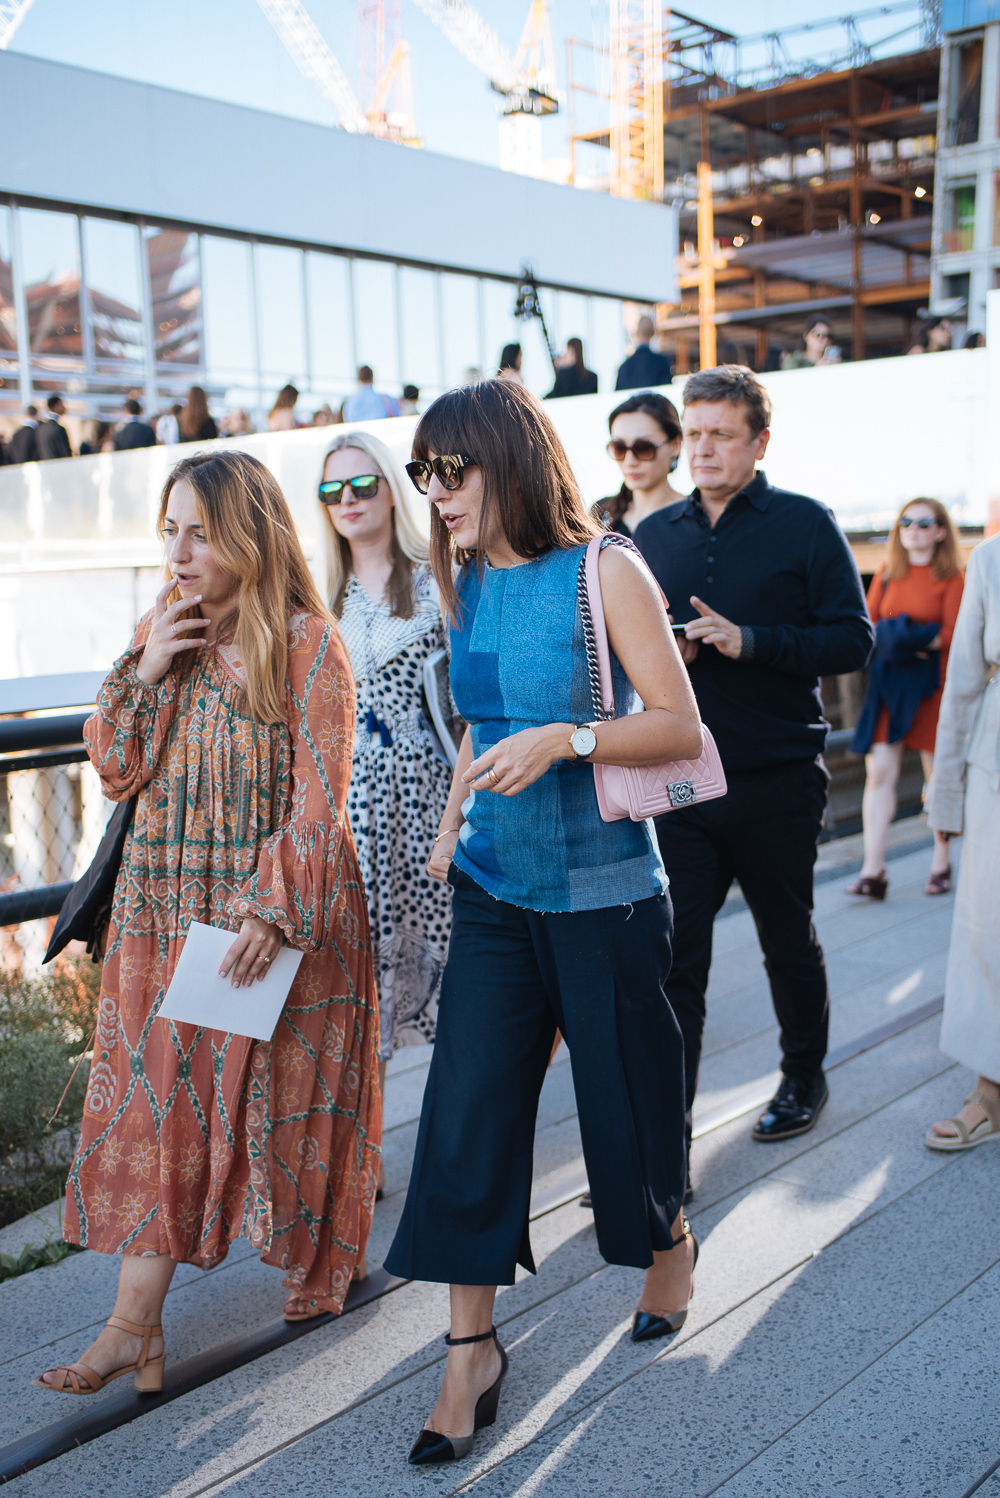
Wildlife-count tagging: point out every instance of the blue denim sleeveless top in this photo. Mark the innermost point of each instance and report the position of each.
(519, 661)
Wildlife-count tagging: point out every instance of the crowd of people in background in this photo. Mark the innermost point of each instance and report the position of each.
(42, 437)
(646, 367)
(395, 756)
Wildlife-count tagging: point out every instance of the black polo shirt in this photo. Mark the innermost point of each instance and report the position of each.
(778, 565)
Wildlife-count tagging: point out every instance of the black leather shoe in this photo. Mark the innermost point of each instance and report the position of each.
(431, 1447)
(646, 1325)
(793, 1110)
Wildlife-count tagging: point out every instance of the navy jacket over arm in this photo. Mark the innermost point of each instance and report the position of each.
(903, 672)
(778, 565)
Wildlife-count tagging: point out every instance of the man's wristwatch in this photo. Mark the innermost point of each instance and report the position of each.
(583, 742)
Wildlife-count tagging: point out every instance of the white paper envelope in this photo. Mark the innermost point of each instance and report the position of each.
(199, 996)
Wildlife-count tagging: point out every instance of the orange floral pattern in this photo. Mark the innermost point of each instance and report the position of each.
(192, 1138)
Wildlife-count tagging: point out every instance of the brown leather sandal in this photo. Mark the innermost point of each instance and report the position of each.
(297, 1310)
(871, 887)
(302, 1311)
(148, 1371)
(938, 884)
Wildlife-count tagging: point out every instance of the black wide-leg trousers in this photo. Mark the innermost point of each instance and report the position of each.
(512, 977)
(763, 833)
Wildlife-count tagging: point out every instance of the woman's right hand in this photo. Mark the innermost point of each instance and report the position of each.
(166, 637)
(444, 849)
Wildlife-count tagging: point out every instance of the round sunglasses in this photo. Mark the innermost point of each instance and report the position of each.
(922, 524)
(365, 486)
(642, 449)
(449, 470)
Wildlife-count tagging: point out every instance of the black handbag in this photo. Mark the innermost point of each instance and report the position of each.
(87, 908)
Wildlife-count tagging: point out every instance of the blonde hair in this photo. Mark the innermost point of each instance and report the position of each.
(251, 534)
(947, 558)
(410, 547)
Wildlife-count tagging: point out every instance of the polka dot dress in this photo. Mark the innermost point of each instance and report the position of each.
(396, 799)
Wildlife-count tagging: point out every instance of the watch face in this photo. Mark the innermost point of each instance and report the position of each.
(584, 741)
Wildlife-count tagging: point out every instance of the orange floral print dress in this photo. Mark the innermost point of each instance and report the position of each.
(191, 1137)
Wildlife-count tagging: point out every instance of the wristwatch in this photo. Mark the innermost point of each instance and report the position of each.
(583, 742)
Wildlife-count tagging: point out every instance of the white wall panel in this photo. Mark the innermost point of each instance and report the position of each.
(133, 146)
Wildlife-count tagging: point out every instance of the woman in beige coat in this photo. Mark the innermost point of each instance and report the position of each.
(964, 798)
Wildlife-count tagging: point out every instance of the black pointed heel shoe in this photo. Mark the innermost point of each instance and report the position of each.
(646, 1326)
(430, 1446)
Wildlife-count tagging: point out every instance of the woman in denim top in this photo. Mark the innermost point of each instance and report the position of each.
(559, 918)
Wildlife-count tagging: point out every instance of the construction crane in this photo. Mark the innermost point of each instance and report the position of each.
(390, 110)
(12, 13)
(636, 44)
(526, 81)
(384, 73)
(314, 60)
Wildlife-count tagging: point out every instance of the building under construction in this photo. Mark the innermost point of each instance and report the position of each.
(802, 188)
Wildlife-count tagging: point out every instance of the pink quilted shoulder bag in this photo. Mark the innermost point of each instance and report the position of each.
(636, 791)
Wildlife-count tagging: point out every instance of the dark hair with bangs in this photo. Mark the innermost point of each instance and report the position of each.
(609, 511)
(528, 484)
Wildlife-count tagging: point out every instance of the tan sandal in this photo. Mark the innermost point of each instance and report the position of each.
(297, 1310)
(967, 1138)
(148, 1371)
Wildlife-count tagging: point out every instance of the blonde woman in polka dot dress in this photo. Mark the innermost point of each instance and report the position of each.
(385, 599)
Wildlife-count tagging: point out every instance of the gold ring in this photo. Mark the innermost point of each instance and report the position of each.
(492, 776)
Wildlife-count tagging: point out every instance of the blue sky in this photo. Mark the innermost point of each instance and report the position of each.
(227, 50)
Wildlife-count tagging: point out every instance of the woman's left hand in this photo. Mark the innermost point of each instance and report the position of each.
(252, 953)
(513, 764)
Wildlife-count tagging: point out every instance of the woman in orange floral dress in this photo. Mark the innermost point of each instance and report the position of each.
(230, 719)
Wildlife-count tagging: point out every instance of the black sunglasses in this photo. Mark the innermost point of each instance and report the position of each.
(365, 486)
(922, 524)
(642, 449)
(449, 471)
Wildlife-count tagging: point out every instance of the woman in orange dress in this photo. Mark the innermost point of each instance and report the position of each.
(922, 579)
(230, 719)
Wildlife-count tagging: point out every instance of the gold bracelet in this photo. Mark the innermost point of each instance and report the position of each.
(445, 834)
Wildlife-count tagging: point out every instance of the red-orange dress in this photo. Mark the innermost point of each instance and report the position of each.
(191, 1137)
(926, 601)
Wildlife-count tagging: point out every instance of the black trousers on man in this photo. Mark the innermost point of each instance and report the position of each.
(763, 833)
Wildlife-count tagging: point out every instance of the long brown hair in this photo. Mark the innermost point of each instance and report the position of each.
(408, 547)
(947, 558)
(285, 400)
(528, 485)
(251, 534)
(193, 414)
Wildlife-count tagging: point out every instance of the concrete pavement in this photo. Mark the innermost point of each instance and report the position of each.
(841, 1338)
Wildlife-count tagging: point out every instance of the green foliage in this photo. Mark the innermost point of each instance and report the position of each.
(46, 1023)
(35, 1256)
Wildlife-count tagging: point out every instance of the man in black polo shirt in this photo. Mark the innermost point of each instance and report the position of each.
(772, 599)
